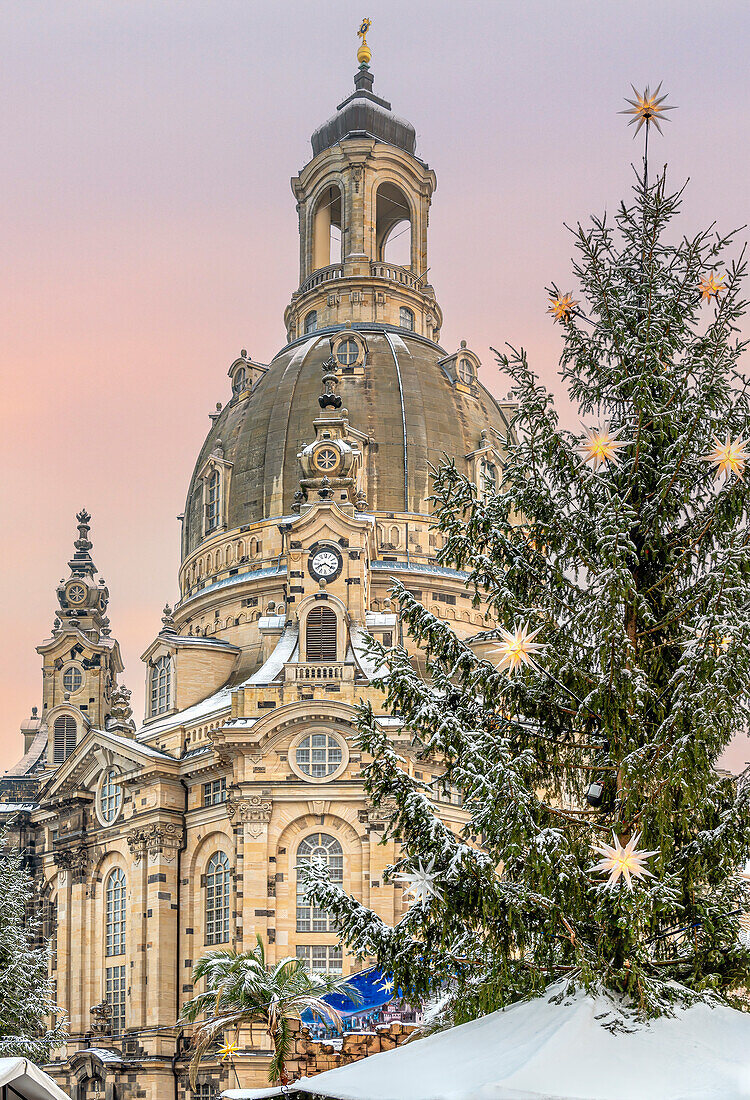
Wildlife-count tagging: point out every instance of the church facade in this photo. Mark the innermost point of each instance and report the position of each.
(154, 843)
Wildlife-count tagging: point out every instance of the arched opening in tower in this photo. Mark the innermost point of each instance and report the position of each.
(327, 229)
(393, 226)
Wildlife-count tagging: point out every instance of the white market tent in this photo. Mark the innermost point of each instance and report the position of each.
(539, 1050)
(21, 1078)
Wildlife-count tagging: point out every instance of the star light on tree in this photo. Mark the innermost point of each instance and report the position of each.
(711, 287)
(647, 108)
(600, 446)
(626, 863)
(729, 457)
(228, 1051)
(517, 648)
(561, 307)
(420, 883)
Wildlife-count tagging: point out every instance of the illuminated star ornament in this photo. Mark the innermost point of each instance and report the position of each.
(711, 287)
(601, 446)
(561, 306)
(623, 863)
(517, 648)
(228, 1051)
(729, 457)
(420, 883)
(387, 986)
(648, 108)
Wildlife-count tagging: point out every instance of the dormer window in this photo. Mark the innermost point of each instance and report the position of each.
(489, 477)
(311, 321)
(466, 371)
(239, 382)
(406, 318)
(347, 351)
(213, 494)
(161, 686)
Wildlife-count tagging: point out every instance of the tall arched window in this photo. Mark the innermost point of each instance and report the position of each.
(114, 944)
(320, 635)
(213, 501)
(406, 318)
(393, 225)
(110, 796)
(64, 731)
(217, 899)
(48, 928)
(161, 686)
(311, 321)
(325, 849)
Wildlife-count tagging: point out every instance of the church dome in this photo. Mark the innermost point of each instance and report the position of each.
(407, 399)
(363, 113)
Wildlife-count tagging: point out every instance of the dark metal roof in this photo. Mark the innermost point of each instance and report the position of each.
(364, 113)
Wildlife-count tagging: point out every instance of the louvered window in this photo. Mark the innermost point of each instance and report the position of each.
(65, 737)
(320, 635)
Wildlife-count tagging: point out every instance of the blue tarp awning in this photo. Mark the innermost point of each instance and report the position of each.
(374, 987)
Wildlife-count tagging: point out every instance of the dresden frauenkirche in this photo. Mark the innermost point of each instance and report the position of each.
(154, 843)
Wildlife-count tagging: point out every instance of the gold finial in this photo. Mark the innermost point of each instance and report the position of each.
(364, 53)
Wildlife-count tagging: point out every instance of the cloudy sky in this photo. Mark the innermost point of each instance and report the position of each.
(149, 231)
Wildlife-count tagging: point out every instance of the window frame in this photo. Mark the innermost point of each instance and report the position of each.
(217, 891)
(115, 913)
(316, 920)
(108, 794)
(63, 737)
(310, 322)
(160, 686)
(403, 312)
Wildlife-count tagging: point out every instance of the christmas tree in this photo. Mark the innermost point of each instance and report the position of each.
(602, 844)
(26, 1002)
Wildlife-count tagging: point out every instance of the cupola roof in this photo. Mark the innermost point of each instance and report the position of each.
(364, 113)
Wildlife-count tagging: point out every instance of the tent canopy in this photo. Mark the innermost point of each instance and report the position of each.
(20, 1077)
(540, 1050)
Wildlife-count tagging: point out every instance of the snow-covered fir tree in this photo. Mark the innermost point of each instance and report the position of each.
(26, 1002)
(621, 551)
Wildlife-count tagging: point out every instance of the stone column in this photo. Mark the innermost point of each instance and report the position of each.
(137, 929)
(162, 842)
(250, 817)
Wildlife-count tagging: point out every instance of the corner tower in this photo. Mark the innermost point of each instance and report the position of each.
(363, 189)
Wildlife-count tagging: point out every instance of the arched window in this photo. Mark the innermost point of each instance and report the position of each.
(466, 371)
(320, 635)
(239, 381)
(311, 321)
(213, 495)
(347, 351)
(161, 686)
(110, 796)
(72, 679)
(406, 318)
(114, 901)
(217, 899)
(327, 229)
(64, 731)
(48, 928)
(320, 848)
(489, 477)
(393, 225)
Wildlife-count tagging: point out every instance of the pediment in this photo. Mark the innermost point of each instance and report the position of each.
(98, 750)
(327, 520)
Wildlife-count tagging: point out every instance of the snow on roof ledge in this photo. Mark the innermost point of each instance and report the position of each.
(539, 1050)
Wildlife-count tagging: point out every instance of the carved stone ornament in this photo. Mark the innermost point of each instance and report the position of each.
(156, 841)
(251, 810)
(76, 860)
(382, 814)
(100, 1018)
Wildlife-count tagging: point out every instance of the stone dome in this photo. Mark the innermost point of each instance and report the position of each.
(403, 398)
(364, 113)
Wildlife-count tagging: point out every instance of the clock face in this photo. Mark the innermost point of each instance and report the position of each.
(75, 593)
(325, 563)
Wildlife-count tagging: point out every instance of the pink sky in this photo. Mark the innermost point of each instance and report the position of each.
(149, 230)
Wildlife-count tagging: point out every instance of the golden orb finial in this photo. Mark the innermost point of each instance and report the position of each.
(364, 53)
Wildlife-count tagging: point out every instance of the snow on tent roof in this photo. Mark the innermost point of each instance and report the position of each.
(539, 1050)
(28, 1081)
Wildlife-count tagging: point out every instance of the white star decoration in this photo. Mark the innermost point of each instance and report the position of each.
(420, 883)
(627, 863)
(601, 446)
(729, 457)
(516, 649)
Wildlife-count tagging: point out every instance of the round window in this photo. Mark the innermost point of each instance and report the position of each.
(110, 797)
(319, 755)
(466, 371)
(75, 593)
(327, 458)
(347, 351)
(72, 679)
